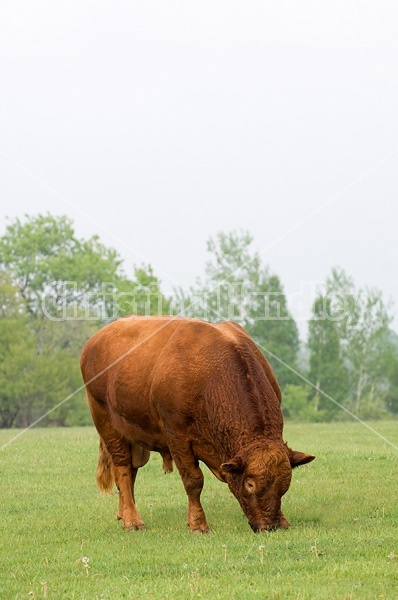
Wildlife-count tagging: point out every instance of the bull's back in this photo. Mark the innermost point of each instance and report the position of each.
(124, 349)
(149, 375)
(147, 368)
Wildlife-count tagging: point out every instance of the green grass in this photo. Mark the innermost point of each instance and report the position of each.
(343, 510)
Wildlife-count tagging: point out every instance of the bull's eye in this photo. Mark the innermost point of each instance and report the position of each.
(250, 485)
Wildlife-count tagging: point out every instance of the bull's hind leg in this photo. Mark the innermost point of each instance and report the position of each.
(192, 478)
(124, 478)
(139, 458)
(124, 471)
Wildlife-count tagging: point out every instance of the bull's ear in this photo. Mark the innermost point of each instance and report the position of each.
(234, 466)
(299, 458)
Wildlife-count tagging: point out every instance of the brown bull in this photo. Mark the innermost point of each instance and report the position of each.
(192, 391)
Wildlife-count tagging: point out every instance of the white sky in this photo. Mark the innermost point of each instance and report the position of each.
(157, 124)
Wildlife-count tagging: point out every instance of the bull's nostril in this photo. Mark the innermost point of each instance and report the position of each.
(257, 527)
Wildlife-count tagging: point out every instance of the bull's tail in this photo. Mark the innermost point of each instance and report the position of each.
(104, 474)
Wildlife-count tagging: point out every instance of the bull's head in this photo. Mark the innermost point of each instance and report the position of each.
(258, 476)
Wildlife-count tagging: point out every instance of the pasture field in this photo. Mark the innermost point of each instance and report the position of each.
(343, 510)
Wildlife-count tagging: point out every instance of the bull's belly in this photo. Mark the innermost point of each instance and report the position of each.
(147, 434)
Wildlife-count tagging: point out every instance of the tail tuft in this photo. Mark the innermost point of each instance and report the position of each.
(104, 474)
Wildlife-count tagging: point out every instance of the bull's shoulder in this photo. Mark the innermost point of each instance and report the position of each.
(239, 335)
(233, 330)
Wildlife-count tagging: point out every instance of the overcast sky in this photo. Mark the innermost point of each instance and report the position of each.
(157, 124)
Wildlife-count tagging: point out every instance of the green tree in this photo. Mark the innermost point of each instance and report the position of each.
(295, 404)
(274, 329)
(363, 321)
(12, 339)
(350, 344)
(52, 268)
(141, 296)
(38, 368)
(392, 392)
(238, 286)
(55, 291)
(327, 369)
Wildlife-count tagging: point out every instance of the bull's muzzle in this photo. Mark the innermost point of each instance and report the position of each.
(282, 524)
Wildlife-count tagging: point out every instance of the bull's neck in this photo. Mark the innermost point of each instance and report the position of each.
(249, 438)
(238, 416)
(234, 438)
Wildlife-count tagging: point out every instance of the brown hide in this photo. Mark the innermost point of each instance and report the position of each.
(193, 391)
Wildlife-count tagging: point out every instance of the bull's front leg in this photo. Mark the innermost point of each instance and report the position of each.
(197, 522)
(192, 478)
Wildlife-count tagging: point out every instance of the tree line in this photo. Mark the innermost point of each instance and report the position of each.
(56, 290)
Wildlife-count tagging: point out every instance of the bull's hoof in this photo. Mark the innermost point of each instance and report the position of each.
(198, 530)
(134, 526)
